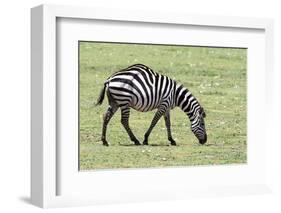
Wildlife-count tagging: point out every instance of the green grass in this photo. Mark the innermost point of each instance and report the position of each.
(216, 77)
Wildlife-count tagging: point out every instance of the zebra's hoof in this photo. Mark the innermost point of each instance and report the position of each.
(104, 143)
(173, 142)
(145, 143)
(137, 143)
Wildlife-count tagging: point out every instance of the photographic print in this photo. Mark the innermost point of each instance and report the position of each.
(150, 105)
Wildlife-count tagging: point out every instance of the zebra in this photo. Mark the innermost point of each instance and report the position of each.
(142, 89)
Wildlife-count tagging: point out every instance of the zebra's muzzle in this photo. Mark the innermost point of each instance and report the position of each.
(204, 140)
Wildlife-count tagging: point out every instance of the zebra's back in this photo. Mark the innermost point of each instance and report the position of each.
(141, 88)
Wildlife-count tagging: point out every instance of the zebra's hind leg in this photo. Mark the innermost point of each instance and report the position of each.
(160, 112)
(106, 118)
(168, 126)
(125, 114)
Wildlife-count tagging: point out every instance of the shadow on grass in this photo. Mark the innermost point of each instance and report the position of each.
(165, 145)
(159, 144)
(127, 144)
(208, 144)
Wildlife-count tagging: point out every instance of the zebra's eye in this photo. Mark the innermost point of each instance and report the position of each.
(204, 114)
(202, 123)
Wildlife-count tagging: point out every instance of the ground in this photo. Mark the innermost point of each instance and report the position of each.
(215, 76)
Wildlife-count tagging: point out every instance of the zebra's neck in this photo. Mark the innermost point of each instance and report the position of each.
(186, 101)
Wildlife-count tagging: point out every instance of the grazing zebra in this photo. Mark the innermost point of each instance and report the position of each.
(142, 89)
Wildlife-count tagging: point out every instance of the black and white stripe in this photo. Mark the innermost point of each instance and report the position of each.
(142, 89)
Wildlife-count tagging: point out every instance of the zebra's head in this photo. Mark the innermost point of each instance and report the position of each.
(198, 126)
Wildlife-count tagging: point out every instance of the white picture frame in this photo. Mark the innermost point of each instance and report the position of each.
(45, 170)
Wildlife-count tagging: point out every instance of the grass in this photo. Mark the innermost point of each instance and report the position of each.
(216, 77)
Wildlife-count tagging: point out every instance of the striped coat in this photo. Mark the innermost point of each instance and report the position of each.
(142, 89)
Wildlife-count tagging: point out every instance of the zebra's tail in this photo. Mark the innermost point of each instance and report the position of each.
(101, 96)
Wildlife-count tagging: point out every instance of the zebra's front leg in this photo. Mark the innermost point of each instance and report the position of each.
(125, 114)
(168, 126)
(160, 112)
(106, 118)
